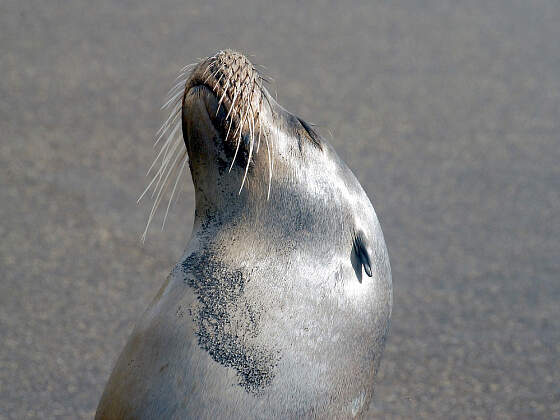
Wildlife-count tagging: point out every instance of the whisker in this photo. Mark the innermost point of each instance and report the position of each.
(259, 140)
(188, 66)
(161, 190)
(174, 187)
(167, 158)
(171, 100)
(167, 121)
(163, 148)
(229, 128)
(177, 84)
(267, 79)
(250, 155)
(172, 95)
(219, 79)
(175, 114)
(170, 135)
(269, 167)
(232, 106)
(240, 129)
(180, 75)
(212, 75)
(223, 94)
(171, 170)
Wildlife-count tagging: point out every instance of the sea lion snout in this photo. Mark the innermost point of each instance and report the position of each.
(237, 87)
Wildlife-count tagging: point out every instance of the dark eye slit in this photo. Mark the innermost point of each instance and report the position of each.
(314, 137)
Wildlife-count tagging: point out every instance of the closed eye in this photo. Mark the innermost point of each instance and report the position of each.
(311, 134)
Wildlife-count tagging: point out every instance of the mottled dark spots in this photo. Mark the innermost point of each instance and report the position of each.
(227, 321)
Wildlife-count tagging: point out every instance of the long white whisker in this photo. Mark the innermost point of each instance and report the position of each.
(167, 123)
(223, 94)
(165, 184)
(260, 125)
(240, 130)
(269, 167)
(187, 67)
(211, 76)
(171, 168)
(174, 187)
(146, 190)
(173, 94)
(219, 79)
(171, 100)
(175, 115)
(156, 176)
(178, 84)
(170, 138)
(163, 148)
(231, 107)
(154, 207)
(181, 74)
(251, 128)
(167, 158)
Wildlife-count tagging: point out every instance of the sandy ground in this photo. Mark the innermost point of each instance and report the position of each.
(447, 111)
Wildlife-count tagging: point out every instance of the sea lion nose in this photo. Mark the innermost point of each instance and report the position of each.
(237, 61)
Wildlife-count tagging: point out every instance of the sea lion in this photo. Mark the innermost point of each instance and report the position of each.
(268, 313)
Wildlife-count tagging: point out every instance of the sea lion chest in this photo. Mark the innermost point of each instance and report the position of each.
(281, 340)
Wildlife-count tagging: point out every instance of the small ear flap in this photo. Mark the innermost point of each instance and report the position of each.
(361, 248)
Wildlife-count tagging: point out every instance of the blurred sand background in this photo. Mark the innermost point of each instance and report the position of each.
(448, 112)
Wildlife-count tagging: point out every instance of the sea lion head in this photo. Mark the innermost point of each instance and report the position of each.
(253, 161)
(232, 124)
